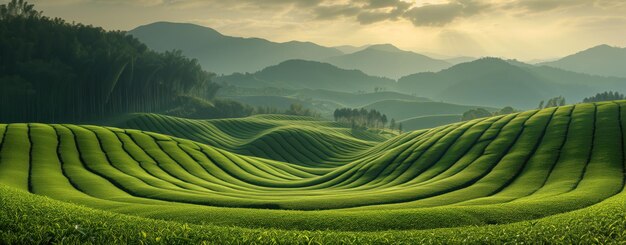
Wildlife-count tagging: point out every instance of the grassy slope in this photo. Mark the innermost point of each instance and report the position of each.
(432, 121)
(284, 138)
(487, 171)
(28, 218)
(402, 110)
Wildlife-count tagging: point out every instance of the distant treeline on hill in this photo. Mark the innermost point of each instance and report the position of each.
(53, 71)
(361, 118)
(606, 96)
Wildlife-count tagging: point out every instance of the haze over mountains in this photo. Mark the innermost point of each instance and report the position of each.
(259, 63)
(225, 55)
(487, 82)
(496, 82)
(302, 74)
(388, 61)
(601, 60)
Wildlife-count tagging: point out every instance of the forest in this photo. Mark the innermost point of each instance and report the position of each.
(54, 71)
(362, 118)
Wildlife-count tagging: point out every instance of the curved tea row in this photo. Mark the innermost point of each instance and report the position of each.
(284, 138)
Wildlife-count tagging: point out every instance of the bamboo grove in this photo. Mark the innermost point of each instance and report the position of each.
(53, 71)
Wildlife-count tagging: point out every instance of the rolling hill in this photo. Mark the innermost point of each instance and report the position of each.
(302, 74)
(403, 109)
(424, 122)
(353, 99)
(257, 136)
(555, 171)
(385, 60)
(496, 82)
(602, 60)
(225, 54)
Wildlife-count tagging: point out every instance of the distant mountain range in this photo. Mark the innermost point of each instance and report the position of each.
(387, 60)
(603, 60)
(224, 54)
(305, 65)
(487, 82)
(496, 82)
(302, 74)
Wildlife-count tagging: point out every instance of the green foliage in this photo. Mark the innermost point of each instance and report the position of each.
(544, 176)
(403, 109)
(505, 110)
(606, 96)
(297, 109)
(197, 108)
(475, 113)
(361, 118)
(553, 102)
(28, 218)
(320, 142)
(18, 9)
(54, 71)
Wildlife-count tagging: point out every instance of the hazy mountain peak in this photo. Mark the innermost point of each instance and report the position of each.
(304, 63)
(386, 60)
(225, 54)
(488, 63)
(178, 29)
(385, 47)
(603, 46)
(601, 60)
(306, 74)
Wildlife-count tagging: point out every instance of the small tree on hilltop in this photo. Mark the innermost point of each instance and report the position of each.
(475, 113)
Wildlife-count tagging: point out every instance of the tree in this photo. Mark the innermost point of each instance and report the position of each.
(392, 124)
(475, 113)
(384, 120)
(605, 96)
(400, 128)
(504, 111)
(360, 118)
(554, 102)
(72, 72)
(18, 8)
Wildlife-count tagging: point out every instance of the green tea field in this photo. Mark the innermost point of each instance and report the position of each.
(554, 175)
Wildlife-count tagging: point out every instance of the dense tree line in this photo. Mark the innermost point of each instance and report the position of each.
(606, 96)
(54, 71)
(197, 108)
(295, 109)
(361, 118)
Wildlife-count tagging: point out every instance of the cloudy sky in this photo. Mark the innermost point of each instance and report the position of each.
(522, 29)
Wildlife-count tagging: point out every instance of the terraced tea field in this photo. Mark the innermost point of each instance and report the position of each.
(553, 175)
(278, 137)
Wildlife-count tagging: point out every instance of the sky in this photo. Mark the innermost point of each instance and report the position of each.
(528, 30)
